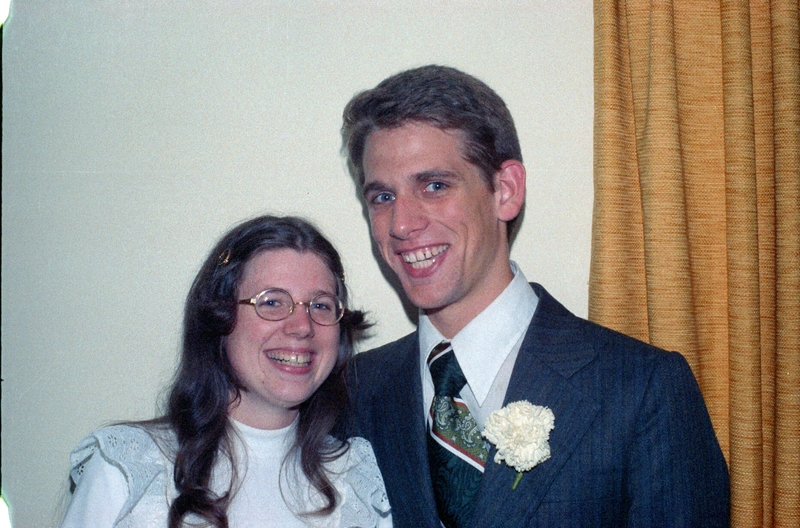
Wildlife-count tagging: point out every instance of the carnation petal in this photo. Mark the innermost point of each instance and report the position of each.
(520, 431)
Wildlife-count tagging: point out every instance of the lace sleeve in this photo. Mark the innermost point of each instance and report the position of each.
(133, 451)
(99, 497)
(364, 500)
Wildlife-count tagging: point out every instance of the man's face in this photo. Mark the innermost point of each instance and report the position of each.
(436, 222)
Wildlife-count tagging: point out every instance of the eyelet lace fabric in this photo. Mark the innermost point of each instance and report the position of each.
(143, 456)
(134, 451)
(364, 500)
(356, 477)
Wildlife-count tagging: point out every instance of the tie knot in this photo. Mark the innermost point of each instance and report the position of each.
(448, 380)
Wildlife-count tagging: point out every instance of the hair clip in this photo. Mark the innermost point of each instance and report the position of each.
(224, 257)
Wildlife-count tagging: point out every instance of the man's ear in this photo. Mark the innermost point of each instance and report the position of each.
(509, 190)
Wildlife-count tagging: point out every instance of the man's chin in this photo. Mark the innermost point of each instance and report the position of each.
(423, 299)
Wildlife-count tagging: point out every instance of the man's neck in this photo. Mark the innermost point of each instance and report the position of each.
(450, 319)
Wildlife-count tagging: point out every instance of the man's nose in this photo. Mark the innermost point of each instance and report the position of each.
(407, 218)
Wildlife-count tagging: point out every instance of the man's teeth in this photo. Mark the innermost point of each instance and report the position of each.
(293, 359)
(423, 258)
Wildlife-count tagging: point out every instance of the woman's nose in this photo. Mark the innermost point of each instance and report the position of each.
(299, 322)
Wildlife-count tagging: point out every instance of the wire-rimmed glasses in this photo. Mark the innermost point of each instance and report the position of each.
(276, 304)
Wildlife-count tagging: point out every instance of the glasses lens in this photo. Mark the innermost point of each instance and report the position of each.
(326, 309)
(274, 305)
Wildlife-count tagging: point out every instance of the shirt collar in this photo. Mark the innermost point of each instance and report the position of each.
(484, 343)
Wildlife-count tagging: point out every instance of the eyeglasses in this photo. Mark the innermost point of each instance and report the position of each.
(276, 304)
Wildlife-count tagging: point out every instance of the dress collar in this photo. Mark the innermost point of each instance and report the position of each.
(262, 443)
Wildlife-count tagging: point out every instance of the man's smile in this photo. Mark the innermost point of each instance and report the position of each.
(423, 258)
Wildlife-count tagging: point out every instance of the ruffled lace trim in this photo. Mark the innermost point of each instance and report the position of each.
(356, 477)
(364, 500)
(131, 449)
(146, 469)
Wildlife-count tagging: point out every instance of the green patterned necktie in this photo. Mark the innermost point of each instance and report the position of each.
(457, 452)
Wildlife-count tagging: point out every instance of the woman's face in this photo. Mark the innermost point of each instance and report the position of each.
(281, 363)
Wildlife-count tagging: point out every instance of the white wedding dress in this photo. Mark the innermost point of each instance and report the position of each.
(123, 477)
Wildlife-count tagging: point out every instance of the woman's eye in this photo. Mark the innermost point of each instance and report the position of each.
(321, 307)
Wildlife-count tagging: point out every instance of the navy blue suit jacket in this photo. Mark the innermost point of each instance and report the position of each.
(632, 445)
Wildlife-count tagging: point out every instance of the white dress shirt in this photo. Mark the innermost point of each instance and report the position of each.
(486, 348)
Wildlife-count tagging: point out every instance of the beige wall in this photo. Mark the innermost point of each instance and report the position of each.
(135, 133)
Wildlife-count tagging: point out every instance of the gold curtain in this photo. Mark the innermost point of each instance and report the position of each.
(696, 228)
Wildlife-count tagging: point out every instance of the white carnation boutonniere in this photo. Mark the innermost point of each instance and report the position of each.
(520, 431)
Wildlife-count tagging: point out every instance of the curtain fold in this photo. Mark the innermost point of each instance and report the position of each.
(696, 222)
(785, 28)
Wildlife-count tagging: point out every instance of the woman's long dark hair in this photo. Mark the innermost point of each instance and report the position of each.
(206, 384)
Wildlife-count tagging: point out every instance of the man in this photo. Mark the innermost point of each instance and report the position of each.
(436, 154)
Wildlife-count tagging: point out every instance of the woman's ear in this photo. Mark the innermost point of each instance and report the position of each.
(509, 190)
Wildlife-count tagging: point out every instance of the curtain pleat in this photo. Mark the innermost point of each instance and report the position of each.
(785, 28)
(744, 310)
(696, 223)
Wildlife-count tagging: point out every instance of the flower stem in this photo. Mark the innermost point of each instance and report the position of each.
(516, 480)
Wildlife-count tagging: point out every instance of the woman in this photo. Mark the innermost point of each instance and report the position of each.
(244, 441)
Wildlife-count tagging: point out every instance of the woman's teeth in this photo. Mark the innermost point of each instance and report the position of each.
(291, 358)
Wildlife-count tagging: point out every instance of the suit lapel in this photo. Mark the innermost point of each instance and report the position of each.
(551, 352)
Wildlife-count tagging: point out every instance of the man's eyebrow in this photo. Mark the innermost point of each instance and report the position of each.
(373, 187)
(430, 175)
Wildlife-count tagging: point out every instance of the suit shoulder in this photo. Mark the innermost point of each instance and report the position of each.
(617, 342)
(385, 361)
(554, 323)
(628, 357)
(572, 339)
(388, 354)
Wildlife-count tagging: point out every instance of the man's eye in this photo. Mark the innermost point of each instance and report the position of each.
(382, 198)
(435, 186)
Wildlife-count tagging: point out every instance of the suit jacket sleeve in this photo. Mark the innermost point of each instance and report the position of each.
(676, 474)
